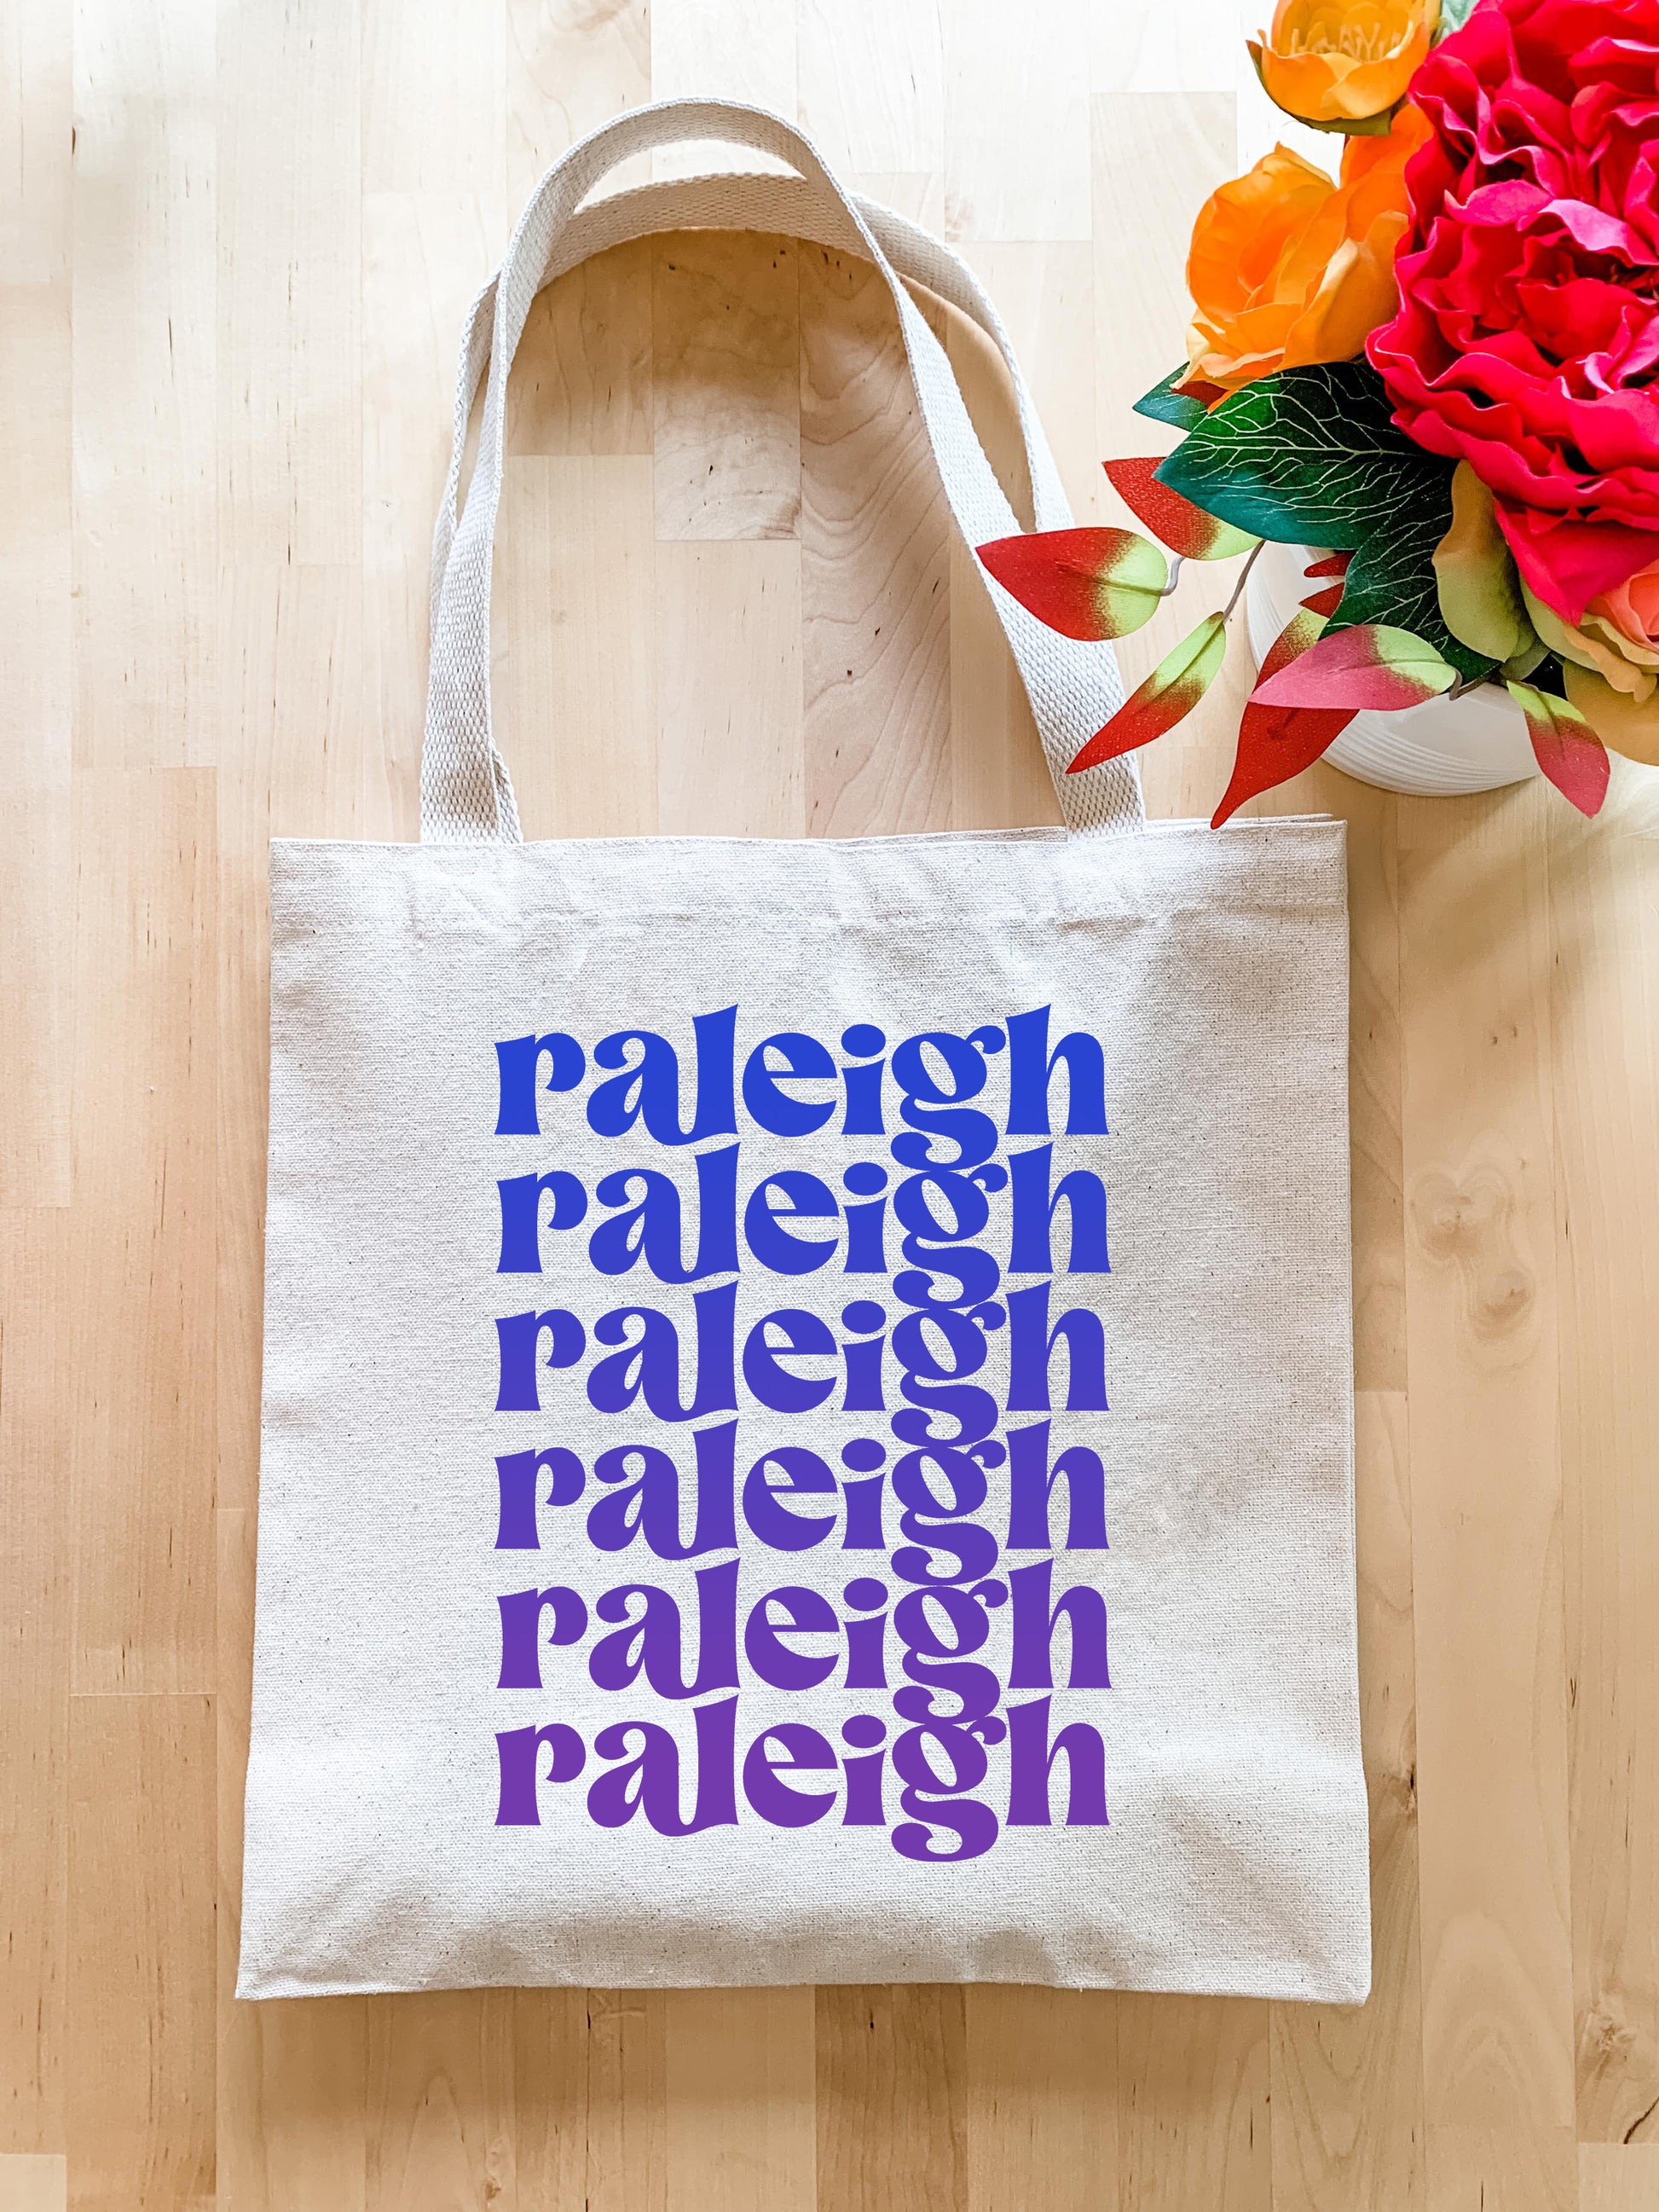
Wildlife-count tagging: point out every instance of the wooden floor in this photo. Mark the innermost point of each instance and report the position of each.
(236, 250)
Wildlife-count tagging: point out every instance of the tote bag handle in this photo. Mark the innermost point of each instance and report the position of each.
(466, 795)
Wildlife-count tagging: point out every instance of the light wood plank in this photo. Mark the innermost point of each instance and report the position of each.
(627, 2167)
(434, 218)
(738, 2087)
(35, 1672)
(730, 760)
(725, 396)
(144, 287)
(1157, 157)
(1502, 2169)
(550, 2102)
(290, 285)
(892, 2098)
(1193, 2110)
(582, 380)
(1143, 46)
(139, 2069)
(744, 51)
(1614, 2178)
(36, 628)
(291, 2085)
(576, 679)
(871, 98)
(138, 1295)
(36, 932)
(1482, 1332)
(1605, 1081)
(434, 99)
(1347, 2081)
(424, 257)
(37, 60)
(875, 537)
(1004, 95)
(569, 68)
(34, 2181)
(1045, 296)
(1375, 1070)
(440, 2100)
(1042, 2123)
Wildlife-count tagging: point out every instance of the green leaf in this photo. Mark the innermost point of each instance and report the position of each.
(1520, 666)
(1454, 14)
(1311, 457)
(1165, 404)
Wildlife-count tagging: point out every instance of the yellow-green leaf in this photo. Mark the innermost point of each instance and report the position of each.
(1087, 583)
(1479, 590)
(1567, 750)
(1172, 690)
(1373, 665)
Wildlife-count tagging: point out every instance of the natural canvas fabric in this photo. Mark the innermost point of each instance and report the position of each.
(807, 1410)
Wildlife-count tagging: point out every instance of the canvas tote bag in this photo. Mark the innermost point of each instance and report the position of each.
(807, 1427)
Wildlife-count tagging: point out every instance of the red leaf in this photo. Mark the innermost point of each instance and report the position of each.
(1184, 528)
(1087, 583)
(1577, 766)
(1326, 602)
(1565, 747)
(1276, 743)
(1373, 665)
(1334, 564)
(1297, 635)
(1171, 692)
(1197, 388)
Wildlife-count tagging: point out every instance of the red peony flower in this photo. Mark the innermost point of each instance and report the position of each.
(1526, 340)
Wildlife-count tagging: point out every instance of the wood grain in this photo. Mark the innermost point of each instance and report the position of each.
(875, 555)
(891, 2103)
(739, 2097)
(1042, 2101)
(140, 2102)
(37, 1557)
(34, 2181)
(726, 388)
(236, 244)
(1482, 1354)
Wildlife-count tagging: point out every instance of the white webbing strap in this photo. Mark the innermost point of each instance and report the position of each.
(466, 795)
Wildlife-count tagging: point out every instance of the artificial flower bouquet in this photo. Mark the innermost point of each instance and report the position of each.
(1440, 371)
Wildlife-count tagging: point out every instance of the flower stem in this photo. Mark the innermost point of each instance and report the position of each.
(1243, 578)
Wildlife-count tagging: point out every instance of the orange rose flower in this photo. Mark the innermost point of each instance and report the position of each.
(1288, 268)
(1335, 63)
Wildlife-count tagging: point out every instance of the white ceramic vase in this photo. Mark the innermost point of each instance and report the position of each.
(1475, 743)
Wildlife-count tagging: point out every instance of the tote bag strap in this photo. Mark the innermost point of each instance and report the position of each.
(466, 795)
